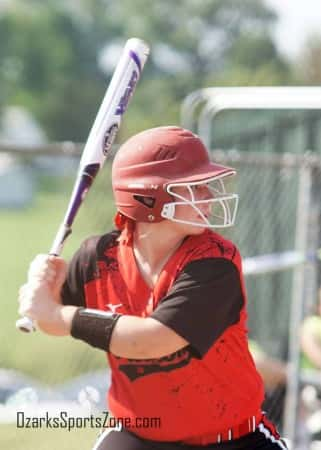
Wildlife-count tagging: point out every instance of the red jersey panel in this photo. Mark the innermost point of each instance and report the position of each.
(196, 394)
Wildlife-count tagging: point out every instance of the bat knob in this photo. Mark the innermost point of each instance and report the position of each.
(25, 324)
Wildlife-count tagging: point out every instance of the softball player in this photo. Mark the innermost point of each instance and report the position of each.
(163, 296)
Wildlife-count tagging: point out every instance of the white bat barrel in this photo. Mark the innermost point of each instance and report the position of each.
(101, 137)
(115, 101)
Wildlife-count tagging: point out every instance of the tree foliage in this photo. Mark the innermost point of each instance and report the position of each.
(308, 68)
(51, 52)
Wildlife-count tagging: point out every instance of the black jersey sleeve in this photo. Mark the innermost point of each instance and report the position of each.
(83, 267)
(72, 292)
(203, 302)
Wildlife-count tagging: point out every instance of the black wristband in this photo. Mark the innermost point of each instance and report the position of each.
(94, 327)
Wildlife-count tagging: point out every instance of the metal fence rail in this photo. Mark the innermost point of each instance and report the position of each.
(201, 107)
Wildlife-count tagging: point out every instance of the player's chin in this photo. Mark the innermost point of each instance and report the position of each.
(196, 230)
(192, 230)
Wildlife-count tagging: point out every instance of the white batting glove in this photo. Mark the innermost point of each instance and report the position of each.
(42, 268)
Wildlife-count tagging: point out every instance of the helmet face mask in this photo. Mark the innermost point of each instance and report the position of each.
(213, 208)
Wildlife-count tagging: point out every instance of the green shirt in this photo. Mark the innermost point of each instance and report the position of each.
(311, 325)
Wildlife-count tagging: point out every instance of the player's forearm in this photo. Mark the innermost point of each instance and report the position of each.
(131, 339)
(144, 338)
(60, 323)
(125, 336)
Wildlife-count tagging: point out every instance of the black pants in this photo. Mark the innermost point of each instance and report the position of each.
(124, 440)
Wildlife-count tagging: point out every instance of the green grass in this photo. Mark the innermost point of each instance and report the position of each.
(24, 233)
(14, 438)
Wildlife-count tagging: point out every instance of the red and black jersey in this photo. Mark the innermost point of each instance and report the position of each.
(208, 386)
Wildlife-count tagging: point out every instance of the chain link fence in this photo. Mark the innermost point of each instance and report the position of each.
(280, 211)
(282, 121)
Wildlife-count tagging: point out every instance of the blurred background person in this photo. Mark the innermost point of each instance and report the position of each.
(311, 365)
(311, 339)
(274, 374)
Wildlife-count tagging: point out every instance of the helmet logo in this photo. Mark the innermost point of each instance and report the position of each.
(165, 152)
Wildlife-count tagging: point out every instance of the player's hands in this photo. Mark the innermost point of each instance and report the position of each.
(49, 269)
(40, 297)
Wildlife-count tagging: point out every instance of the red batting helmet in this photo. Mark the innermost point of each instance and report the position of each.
(151, 162)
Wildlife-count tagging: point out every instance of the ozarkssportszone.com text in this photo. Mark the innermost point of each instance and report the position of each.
(64, 421)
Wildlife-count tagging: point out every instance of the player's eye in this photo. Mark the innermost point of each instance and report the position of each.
(200, 187)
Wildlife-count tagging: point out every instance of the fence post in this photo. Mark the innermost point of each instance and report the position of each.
(296, 311)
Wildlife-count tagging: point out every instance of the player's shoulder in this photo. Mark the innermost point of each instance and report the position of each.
(98, 245)
(212, 245)
(92, 250)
